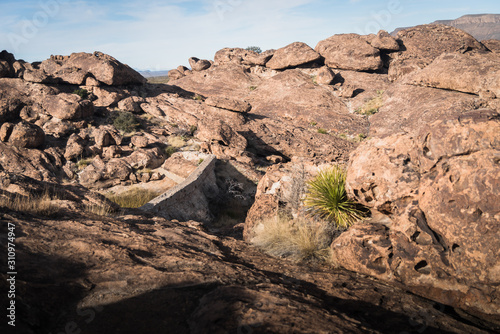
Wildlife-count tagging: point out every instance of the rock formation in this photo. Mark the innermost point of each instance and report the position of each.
(415, 119)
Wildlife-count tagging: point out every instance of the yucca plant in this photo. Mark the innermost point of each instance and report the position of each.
(326, 197)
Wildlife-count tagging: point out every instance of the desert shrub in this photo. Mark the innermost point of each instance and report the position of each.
(252, 88)
(254, 48)
(322, 131)
(192, 129)
(133, 198)
(372, 105)
(314, 79)
(42, 204)
(84, 162)
(299, 239)
(83, 93)
(177, 142)
(169, 150)
(326, 197)
(126, 122)
(99, 209)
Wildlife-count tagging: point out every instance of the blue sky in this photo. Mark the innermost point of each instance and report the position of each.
(160, 35)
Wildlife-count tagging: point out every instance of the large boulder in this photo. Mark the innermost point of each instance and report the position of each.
(349, 52)
(131, 104)
(325, 76)
(6, 64)
(476, 73)
(175, 74)
(434, 197)
(199, 64)
(78, 67)
(75, 147)
(292, 55)
(27, 135)
(106, 135)
(420, 45)
(383, 41)
(10, 108)
(67, 106)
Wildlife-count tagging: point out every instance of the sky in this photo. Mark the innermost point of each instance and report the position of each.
(160, 35)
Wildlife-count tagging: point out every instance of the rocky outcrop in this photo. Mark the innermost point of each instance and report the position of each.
(84, 69)
(435, 189)
(292, 55)
(475, 73)
(6, 64)
(242, 57)
(349, 52)
(422, 44)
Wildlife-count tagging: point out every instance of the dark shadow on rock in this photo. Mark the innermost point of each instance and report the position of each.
(236, 196)
(260, 148)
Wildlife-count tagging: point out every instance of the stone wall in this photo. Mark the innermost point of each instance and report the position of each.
(189, 200)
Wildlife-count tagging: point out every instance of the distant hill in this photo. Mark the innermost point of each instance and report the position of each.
(152, 74)
(481, 26)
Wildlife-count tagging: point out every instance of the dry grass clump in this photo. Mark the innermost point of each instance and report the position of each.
(372, 105)
(99, 209)
(299, 239)
(133, 198)
(326, 197)
(42, 205)
(82, 163)
(177, 142)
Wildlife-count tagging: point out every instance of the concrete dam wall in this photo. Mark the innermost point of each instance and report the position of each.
(189, 200)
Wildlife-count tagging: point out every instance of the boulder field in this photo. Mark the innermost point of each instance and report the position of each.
(414, 119)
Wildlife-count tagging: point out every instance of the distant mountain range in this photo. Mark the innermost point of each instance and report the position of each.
(152, 74)
(481, 26)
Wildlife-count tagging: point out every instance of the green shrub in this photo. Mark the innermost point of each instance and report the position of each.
(327, 198)
(169, 150)
(253, 88)
(254, 48)
(126, 122)
(322, 131)
(192, 129)
(83, 93)
(372, 105)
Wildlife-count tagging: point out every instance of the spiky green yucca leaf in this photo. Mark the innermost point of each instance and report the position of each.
(327, 198)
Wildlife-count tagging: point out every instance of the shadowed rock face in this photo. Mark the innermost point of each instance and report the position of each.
(89, 271)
